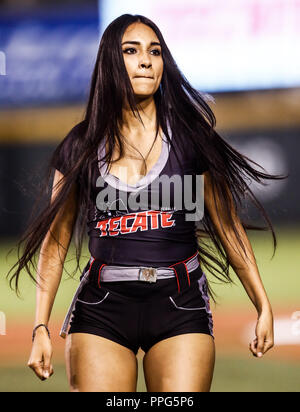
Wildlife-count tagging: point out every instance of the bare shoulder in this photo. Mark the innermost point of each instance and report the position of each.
(58, 182)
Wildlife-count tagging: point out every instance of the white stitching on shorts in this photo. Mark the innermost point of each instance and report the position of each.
(180, 307)
(96, 303)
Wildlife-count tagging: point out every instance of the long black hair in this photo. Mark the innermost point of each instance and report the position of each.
(179, 106)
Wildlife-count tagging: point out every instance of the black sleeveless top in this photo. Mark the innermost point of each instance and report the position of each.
(146, 223)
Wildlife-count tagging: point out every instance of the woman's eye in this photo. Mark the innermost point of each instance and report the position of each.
(129, 50)
(156, 52)
(132, 50)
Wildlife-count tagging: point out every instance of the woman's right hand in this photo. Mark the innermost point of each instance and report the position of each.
(41, 354)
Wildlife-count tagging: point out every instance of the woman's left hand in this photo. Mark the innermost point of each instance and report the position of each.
(264, 331)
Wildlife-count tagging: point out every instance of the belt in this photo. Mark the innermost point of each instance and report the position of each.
(133, 273)
(142, 273)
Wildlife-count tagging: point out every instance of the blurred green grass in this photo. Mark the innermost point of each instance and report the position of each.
(280, 274)
(231, 375)
(281, 277)
(13, 306)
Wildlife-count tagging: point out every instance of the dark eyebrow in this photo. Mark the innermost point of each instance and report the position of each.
(154, 43)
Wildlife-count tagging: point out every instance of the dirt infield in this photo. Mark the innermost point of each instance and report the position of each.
(231, 329)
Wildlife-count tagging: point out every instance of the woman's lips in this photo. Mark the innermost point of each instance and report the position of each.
(143, 77)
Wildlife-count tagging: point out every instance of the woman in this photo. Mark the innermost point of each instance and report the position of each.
(143, 285)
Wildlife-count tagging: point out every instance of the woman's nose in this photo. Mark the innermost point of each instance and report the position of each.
(145, 61)
(146, 65)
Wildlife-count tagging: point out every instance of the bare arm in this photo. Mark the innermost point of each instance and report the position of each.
(244, 266)
(52, 255)
(50, 267)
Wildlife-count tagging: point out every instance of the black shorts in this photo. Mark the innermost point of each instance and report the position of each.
(138, 314)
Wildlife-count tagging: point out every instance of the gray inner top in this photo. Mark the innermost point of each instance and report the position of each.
(145, 180)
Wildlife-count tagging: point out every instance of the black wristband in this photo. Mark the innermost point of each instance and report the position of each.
(38, 326)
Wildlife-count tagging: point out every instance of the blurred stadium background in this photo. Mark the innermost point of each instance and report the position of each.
(244, 53)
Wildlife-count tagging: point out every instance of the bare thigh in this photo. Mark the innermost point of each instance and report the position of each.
(96, 364)
(182, 363)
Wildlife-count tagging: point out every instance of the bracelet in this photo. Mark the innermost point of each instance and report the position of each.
(38, 326)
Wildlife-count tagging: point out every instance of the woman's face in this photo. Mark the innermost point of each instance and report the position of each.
(143, 59)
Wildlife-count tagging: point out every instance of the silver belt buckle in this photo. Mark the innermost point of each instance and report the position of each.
(148, 274)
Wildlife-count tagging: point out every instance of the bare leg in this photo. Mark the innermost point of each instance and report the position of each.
(182, 363)
(96, 364)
